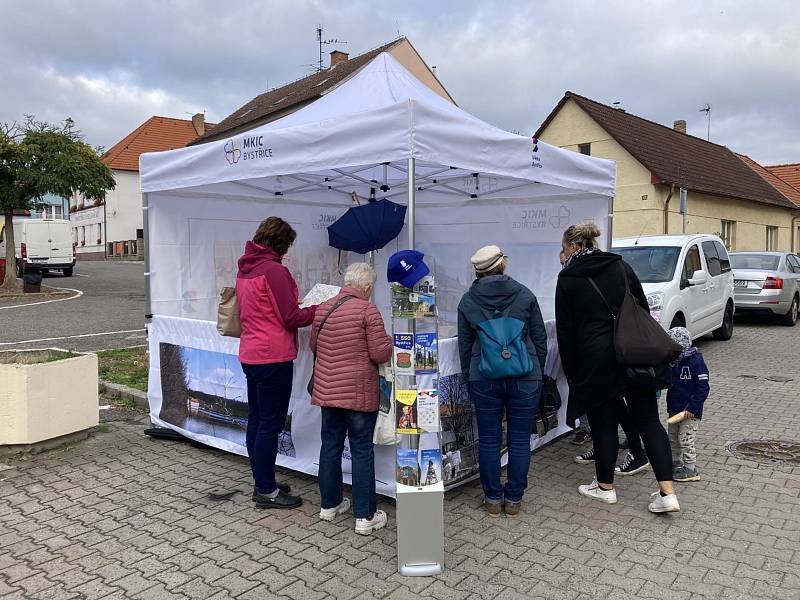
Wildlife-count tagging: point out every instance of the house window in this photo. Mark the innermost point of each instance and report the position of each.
(585, 149)
(728, 233)
(99, 233)
(772, 238)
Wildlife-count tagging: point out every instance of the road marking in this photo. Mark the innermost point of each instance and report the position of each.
(79, 275)
(78, 294)
(71, 337)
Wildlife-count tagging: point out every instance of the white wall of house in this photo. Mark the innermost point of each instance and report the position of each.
(124, 207)
(88, 232)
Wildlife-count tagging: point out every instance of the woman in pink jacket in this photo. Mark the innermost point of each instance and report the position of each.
(349, 347)
(270, 317)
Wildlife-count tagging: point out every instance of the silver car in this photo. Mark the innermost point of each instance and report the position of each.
(768, 283)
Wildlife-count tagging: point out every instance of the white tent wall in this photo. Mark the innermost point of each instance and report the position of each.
(473, 185)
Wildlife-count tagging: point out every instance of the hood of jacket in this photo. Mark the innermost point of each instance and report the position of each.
(495, 292)
(590, 265)
(254, 256)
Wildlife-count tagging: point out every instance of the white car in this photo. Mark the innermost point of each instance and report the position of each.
(42, 244)
(687, 279)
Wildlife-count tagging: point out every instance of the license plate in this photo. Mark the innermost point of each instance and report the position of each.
(37, 260)
(740, 284)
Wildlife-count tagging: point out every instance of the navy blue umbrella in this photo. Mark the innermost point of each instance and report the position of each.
(366, 228)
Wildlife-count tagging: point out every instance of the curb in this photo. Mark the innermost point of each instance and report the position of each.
(123, 392)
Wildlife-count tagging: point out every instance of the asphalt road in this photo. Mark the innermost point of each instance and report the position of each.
(108, 314)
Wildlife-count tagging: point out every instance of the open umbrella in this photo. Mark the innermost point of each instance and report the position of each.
(366, 228)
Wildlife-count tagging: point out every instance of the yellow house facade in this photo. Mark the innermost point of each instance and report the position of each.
(725, 196)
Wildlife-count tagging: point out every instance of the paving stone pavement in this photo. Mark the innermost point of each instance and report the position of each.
(124, 516)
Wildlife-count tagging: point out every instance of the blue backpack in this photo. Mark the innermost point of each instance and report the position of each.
(503, 351)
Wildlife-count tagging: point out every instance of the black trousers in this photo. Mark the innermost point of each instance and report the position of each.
(643, 409)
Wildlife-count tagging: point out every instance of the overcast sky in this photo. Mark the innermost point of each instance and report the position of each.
(110, 65)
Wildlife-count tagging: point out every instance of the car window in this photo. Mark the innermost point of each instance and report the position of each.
(794, 264)
(652, 264)
(756, 262)
(712, 260)
(691, 263)
(724, 260)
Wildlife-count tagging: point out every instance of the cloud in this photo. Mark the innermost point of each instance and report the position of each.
(112, 65)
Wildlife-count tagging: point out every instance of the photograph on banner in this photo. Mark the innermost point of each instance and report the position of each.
(413, 304)
(407, 466)
(426, 353)
(459, 435)
(403, 353)
(428, 410)
(406, 411)
(205, 393)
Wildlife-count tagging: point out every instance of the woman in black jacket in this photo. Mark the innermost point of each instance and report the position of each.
(585, 330)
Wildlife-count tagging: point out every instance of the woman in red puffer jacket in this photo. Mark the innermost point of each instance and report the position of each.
(267, 296)
(349, 348)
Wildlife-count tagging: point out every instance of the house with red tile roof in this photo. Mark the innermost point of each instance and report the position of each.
(113, 228)
(789, 173)
(727, 194)
(284, 100)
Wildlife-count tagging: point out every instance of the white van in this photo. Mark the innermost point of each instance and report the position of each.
(43, 244)
(687, 279)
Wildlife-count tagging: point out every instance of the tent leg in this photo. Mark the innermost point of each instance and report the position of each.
(610, 224)
(412, 190)
(148, 312)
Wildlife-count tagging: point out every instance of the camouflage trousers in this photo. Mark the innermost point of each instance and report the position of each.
(681, 440)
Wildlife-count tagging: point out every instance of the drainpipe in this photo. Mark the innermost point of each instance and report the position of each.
(794, 230)
(666, 208)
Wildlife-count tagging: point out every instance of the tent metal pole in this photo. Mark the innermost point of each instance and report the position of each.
(148, 311)
(412, 190)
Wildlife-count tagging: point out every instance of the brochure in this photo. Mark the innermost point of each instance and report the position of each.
(417, 303)
(407, 466)
(406, 411)
(404, 353)
(430, 466)
(428, 410)
(426, 354)
(319, 294)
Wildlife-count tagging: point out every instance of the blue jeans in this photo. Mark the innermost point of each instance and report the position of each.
(520, 401)
(269, 389)
(358, 427)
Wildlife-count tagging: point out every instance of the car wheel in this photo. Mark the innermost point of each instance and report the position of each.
(67, 272)
(19, 269)
(677, 321)
(725, 331)
(790, 318)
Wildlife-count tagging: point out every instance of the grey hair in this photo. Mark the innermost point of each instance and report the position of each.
(359, 275)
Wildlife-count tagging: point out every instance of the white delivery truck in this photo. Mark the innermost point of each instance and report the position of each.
(42, 244)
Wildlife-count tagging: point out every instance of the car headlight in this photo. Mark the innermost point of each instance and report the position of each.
(655, 300)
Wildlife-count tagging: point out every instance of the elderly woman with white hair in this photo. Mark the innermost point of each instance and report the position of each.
(350, 341)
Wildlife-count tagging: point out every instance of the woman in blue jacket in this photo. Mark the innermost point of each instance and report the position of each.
(493, 293)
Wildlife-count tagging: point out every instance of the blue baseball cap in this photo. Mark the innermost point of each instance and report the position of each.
(406, 267)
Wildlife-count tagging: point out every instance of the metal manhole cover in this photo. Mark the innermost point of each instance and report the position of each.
(766, 451)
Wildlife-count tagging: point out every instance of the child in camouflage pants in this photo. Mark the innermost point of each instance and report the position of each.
(687, 392)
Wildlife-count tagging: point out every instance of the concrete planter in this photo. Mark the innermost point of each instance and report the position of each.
(44, 396)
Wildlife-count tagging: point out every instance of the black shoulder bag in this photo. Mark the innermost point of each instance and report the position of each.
(339, 302)
(641, 345)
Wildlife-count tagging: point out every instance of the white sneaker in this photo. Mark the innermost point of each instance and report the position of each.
(662, 504)
(329, 514)
(593, 490)
(367, 526)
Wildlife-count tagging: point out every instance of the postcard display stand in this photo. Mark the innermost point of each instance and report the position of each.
(420, 490)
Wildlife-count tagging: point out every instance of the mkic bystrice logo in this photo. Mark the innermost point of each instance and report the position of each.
(232, 152)
(534, 144)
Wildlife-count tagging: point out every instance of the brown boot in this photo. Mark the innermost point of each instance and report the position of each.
(512, 508)
(493, 509)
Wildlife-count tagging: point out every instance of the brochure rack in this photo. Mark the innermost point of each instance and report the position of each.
(420, 490)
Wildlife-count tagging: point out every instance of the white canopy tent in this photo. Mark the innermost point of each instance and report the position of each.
(381, 133)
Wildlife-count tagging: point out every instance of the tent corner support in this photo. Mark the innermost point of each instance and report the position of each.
(412, 189)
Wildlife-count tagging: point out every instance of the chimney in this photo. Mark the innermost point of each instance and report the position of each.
(199, 123)
(679, 126)
(338, 56)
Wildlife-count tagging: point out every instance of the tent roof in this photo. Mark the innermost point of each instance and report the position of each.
(360, 136)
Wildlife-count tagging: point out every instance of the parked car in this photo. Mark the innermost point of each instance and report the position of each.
(767, 283)
(687, 279)
(43, 244)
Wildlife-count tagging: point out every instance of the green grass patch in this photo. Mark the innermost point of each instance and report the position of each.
(127, 366)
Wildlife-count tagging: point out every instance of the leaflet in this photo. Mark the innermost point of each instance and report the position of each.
(406, 411)
(428, 410)
(319, 294)
(403, 353)
(430, 466)
(426, 353)
(419, 302)
(407, 466)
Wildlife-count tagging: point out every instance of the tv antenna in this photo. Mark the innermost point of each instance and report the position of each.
(707, 110)
(323, 42)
